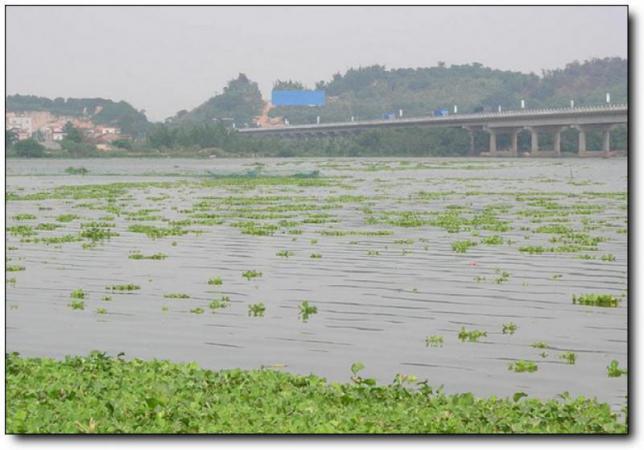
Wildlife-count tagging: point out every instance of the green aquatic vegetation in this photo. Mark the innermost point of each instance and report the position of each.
(256, 310)
(307, 310)
(316, 255)
(463, 246)
(284, 253)
(509, 328)
(533, 249)
(77, 304)
(78, 293)
(492, 240)
(434, 341)
(25, 216)
(523, 366)
(470, 336)
(373, 253)
(356, 233)
(65, 218)
(614, 370)
(502, 276)
(124, 287)
(224, 302)
(404, 241)
(89, 191)
(479, 278)
(256, 229)
(138, 255)
(76, 170)
(250, 274)
(96, 234)
(215, 281)
(313, 241)
(47, 226)
(11, 281)
(602, 300)
(608, 257)
(557, 276)
(197, 311)
(21, 230)
(14, 268)
(105, 395)
(569, 357)
(106, 298)
(539, 344)
(101, 311)
(156, 232)
(176, 295)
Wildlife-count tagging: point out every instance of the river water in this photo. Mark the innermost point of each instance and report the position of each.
(379, 296)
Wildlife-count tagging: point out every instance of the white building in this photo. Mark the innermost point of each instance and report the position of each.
(21, 124)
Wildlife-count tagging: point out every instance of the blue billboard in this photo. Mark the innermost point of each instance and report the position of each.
(298, 98)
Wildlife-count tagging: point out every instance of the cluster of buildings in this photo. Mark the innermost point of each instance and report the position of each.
(48, 128)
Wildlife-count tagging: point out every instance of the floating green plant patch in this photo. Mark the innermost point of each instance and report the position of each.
(492, 240)
(124, 287)
(197, 311)
(602, 300)
(176, 295)
(97, 233)
(509, 328)
(106, 298)
(256, 310)
(470, 336)
(307, 310)
(67, 217)
(47, 226)
(77, 304)
(101, 311)
(316, 255)
(614, 370)
(250, 274)
(155, 256)
(14, 268)
(21, 217)
(608, 257)
(569, 357)
(156, 232)
(76, 171)
(462, 246)
(223, 302)
(284, 253)
(434, 341)
(78, 293)
(21, 230)
(215, 281)
(539, 344)
(143, 392)
(502, 276)
(523, 366)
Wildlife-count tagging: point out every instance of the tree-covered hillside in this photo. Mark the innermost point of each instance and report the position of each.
(240, 103)
(98, 110)
(369, 92)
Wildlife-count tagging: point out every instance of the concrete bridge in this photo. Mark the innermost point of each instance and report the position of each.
(510, 123)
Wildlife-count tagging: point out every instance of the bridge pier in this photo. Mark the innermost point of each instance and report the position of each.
(492, 133)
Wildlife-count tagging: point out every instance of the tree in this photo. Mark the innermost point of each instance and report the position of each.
(10, 138)
(29, 148)
(72, 133)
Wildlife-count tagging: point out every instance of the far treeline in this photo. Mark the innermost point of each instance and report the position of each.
(368, 93)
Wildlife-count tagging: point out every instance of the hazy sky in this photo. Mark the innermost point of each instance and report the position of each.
(163, 59)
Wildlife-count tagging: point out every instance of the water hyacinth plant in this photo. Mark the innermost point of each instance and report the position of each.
(307, 310)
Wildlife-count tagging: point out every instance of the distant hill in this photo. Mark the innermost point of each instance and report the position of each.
(369, 92)
(240, 103)
(98, 110)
